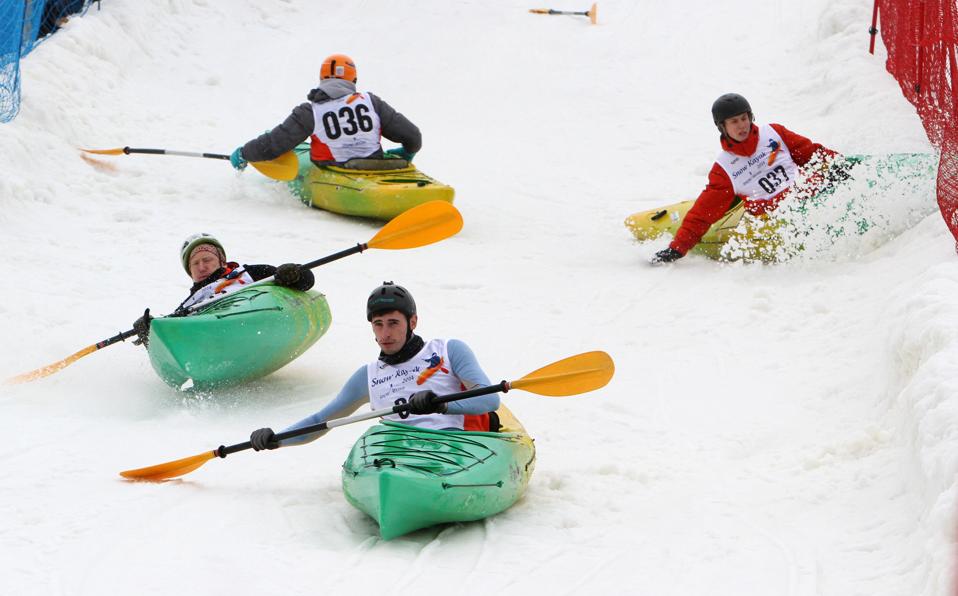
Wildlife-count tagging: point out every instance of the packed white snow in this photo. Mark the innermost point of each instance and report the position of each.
(771, 429)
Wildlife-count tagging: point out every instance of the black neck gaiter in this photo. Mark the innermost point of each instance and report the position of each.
(412, 347)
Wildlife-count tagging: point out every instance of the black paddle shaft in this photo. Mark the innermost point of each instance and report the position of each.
(502, 386)
(336, 256)
(329, 259)
(116, 338)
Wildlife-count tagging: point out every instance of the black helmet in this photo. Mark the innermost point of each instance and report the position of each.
(728, 105)
(389, 297)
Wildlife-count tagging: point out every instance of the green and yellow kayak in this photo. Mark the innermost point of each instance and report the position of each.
(755, 238)
(408, 478)
(654, 223)
(374, 193)
(243, 336)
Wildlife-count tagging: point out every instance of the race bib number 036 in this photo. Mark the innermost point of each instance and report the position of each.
(347, 121)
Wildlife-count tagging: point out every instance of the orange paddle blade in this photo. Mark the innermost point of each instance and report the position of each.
(419, 226)
(49, 369)
(592, 13)
(117, 151)
(570, 376)
(103, 166)
(170, 469)
(285, 167)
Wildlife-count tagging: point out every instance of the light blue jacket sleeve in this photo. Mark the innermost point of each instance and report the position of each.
(351, 397)
(463, 364)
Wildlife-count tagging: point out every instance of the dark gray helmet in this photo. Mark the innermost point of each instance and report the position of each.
(728, 105)
(389, 297)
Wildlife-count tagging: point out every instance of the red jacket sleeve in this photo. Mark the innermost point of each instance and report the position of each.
(711, 205)
(801, 148)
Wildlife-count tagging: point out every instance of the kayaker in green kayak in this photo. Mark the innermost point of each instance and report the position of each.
(408, 370)
(204, 260)
(341, 123)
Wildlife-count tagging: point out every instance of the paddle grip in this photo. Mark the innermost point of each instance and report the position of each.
(223, 451)
(502, 386)
(335, 256)
(129, 150)
(112, 340)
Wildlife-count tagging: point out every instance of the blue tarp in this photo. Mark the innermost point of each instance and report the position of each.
(24, 24)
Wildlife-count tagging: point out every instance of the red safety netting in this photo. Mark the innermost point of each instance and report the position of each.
(920, 38)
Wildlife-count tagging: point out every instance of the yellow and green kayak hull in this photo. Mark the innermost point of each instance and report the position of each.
(408, 478)
(376, 194)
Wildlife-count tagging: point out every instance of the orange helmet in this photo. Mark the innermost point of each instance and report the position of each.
(338, 66)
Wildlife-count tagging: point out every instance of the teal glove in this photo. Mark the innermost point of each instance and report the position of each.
(237, 160)
(401, 153)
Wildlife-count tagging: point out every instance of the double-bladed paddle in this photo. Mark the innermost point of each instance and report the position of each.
(570, 376)
(285, 167)
(419, 226)
(591, 13)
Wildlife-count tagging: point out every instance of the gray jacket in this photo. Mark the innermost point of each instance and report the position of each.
(300, 124)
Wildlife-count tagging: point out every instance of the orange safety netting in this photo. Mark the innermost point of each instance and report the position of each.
(920, 38)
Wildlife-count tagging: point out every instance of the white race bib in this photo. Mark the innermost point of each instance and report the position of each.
(345, 128)
(764, 174)
(390, 385)
(217, 288)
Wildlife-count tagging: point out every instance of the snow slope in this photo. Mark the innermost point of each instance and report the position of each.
(784, 429)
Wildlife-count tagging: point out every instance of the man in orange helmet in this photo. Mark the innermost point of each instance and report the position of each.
(341, 122)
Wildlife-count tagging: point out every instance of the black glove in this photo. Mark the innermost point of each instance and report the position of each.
(142, 328)
(839, 171)
(263, 438)
(288, 275)
(423, 403)
(666, 256)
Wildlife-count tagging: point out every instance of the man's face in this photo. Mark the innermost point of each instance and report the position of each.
(203, 263)
(391, 329)
(738, 127)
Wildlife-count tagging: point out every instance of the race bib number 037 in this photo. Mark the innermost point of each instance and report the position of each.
(772, 180)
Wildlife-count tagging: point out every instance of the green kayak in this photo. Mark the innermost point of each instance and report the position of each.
(409, 478)
(246, 335)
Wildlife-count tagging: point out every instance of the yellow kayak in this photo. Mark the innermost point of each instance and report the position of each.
(651, 224)
(782, 234)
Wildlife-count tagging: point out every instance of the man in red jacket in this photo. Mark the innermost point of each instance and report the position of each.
(759, 164)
